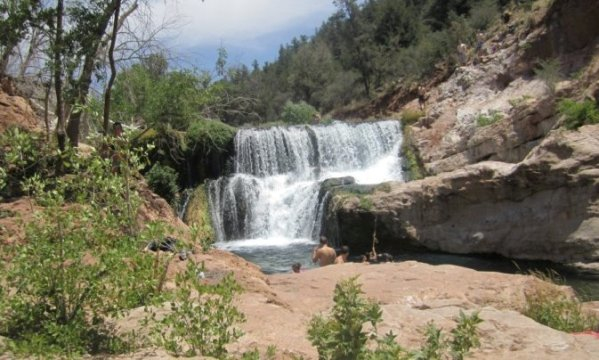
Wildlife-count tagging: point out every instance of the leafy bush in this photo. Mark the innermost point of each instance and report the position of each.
(162, 180)
(202, 316)
(298, 113)
(578, 114)
(210, 135)
(342, 336)
(73, 271)
(22, 154)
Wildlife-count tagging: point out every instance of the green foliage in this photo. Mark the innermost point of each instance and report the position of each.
(161, 98)
(197, 215)
(342, 335)
(202, 316)
(411, 164)
(162, 180)
(17, 19)
(559, 312)
(487, 119)
(366, 203)
(73, 271)
(365, 49)
(551, 307)
(254, 354)
(578, 114)
(483, 14)
(550, 72)
(298, 113)
(517, 102)
(209, 135)
(23, 154)
(410, 116)
(464, 335)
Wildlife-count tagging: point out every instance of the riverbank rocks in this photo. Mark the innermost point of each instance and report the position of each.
(411, 294)
(545, 207)
(501, 107)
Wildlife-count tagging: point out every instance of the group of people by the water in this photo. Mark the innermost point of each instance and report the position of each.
(325, 255)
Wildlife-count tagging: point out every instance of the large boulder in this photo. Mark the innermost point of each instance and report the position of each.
(545, 207)
(15, 110)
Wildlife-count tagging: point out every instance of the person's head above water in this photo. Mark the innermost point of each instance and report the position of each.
(296, 267)
(323, 240)
(344, 250)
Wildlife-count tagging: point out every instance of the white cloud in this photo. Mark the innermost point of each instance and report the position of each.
(237, 22)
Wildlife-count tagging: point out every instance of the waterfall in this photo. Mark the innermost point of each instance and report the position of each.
(272, 199)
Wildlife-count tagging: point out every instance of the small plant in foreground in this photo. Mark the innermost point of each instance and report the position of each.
(578, 114)
(342, 335)
(202, 316)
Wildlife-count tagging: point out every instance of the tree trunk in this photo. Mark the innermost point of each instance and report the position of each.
(85, 78)
(60, 128)
(115, 29)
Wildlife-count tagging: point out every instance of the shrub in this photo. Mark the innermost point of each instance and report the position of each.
(162, 180)
(578, 114)
(488, 119)
(209, 135)
(559, 312)
(298, 113)
(410, 116)
(483, 14)
(73, 271)
(202, 316)
(22, 154)
(366, 203)
(550, 72)
(342, 336)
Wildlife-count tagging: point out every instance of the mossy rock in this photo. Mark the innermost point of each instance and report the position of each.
(197, 214)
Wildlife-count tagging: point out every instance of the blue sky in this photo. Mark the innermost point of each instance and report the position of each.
(248, 29)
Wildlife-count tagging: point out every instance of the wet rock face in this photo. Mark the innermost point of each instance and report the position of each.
(545, 207)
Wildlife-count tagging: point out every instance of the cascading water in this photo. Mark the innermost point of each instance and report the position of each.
(269, 210)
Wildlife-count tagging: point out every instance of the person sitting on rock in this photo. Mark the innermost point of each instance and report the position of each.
(324, 254)
(421, 97)
(343, 255)
(463, 54)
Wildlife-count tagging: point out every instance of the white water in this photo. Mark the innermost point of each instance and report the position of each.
(272, 201)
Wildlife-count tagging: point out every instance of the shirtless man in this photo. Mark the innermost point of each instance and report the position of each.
(324, 254)
(343, 255)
